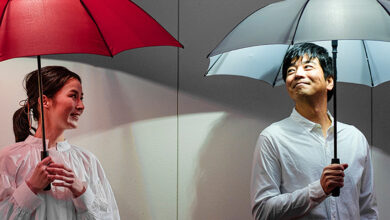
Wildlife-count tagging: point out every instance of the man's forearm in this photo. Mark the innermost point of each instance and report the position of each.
(289, 205)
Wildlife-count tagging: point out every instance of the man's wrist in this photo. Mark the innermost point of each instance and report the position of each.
(316, 192)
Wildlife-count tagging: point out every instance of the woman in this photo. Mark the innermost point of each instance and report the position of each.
(79, 187)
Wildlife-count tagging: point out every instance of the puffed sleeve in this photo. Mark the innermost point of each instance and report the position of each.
(16, 202)
(98, 201)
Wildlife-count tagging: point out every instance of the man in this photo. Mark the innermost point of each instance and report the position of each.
(291, 175)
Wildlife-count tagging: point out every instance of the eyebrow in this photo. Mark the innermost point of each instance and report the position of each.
(308, 61)
(305, 62)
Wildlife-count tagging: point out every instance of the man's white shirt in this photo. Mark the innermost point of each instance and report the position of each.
(289, 158)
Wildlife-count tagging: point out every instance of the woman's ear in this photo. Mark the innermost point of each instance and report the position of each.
(46, 102)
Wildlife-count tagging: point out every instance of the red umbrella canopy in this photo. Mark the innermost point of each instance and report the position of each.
(105, 27)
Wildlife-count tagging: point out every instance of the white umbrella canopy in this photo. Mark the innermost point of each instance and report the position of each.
(358, 61)
(297, 21)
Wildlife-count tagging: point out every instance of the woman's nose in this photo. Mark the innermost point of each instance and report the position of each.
(80, 105)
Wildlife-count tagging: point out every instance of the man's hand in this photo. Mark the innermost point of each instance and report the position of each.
(40, 177)
(332, 177)
(67, 179)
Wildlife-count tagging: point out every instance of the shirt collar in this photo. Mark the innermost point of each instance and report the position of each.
(306, 123)
(61, 146)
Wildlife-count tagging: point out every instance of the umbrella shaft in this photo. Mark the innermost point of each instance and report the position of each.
(41, 100)
(335, 160)
(334, 51)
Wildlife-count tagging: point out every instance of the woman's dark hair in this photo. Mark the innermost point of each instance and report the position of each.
(312, 51)
(53, 79)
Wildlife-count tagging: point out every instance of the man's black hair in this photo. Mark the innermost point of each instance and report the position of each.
(312, 51)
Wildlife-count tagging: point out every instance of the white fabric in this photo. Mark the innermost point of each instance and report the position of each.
(288, 161)
(17, 201)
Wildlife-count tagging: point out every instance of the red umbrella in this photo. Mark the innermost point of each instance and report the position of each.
(105, 27)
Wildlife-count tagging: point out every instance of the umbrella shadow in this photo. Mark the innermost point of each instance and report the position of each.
(381, 162)
(381, 122)
(119, 98)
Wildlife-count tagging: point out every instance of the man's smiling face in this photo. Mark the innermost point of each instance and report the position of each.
(305, 78)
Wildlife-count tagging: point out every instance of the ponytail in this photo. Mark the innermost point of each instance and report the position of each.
(21, 124)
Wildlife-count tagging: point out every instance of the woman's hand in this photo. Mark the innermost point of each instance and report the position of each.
(40, 177)
(67, 177)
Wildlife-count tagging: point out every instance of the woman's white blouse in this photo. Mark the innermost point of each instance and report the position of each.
(17, 201)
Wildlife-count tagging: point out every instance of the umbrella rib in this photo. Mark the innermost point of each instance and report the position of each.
(300, 16)
(220, 55)
(101, 35)
(3, 12)
(181, 45)
(383, 7)
(368, 63)
(280, 67)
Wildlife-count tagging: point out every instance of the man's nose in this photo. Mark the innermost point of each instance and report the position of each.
(300, 72)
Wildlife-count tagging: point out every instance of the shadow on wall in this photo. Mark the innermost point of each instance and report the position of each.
(381, 163)
(116, 150)
(381, 117)
(120, 99)
(224, 170)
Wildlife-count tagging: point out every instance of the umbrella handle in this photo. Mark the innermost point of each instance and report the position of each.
(45, 154)
(336, 191)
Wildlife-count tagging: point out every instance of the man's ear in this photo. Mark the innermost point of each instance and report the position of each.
(329, 83)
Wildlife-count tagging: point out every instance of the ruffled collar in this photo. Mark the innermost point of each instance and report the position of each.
(61, 146)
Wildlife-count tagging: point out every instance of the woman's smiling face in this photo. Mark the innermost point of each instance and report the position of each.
(65, 108)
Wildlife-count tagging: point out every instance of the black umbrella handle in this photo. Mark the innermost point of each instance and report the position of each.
(336, 191)
(45, 154)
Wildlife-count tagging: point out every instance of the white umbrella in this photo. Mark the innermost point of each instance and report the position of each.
(361, 28)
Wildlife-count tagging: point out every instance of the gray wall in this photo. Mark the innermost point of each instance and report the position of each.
(213, 167)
